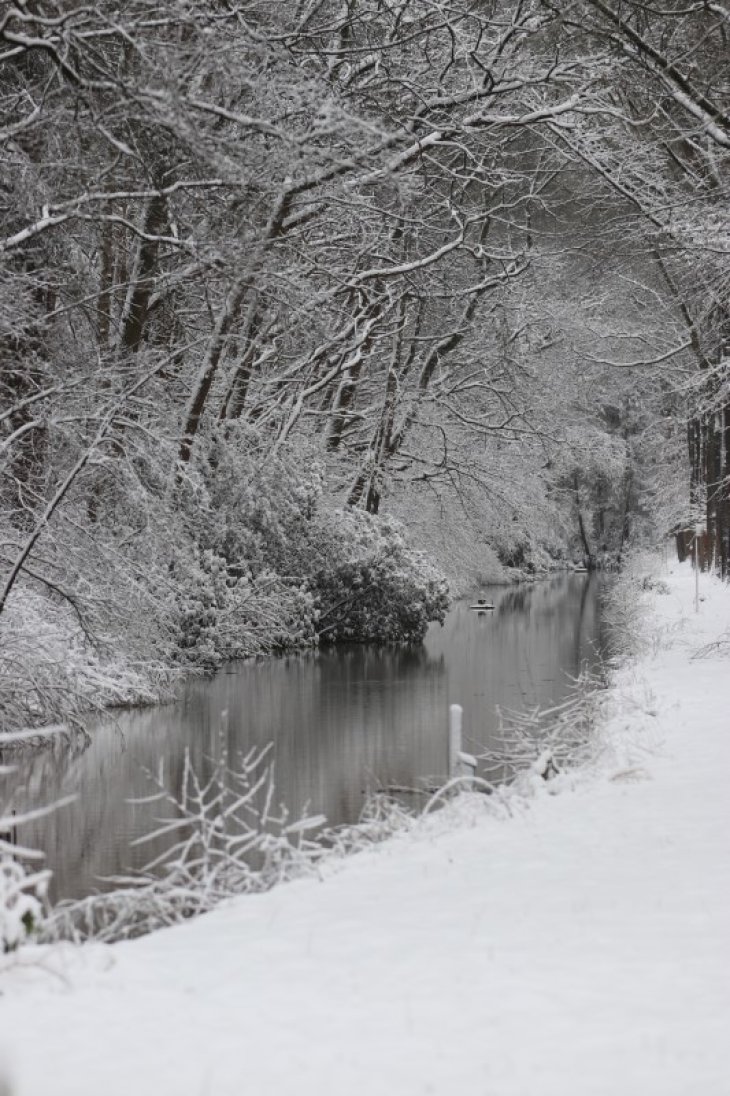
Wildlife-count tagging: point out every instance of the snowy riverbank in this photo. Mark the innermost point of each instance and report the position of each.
(569, 944)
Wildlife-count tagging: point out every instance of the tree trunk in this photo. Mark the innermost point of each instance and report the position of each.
(135, 319)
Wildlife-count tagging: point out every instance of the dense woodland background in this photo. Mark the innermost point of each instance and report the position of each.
(304, 305)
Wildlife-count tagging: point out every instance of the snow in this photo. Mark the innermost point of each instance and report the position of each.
(566, 944)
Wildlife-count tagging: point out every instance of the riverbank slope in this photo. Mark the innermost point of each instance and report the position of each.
(566, 944)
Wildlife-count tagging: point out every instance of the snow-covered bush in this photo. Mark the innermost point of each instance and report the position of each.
(22, 889)
(52, 670)
(630, 629)
(542, 743)
(275, 567)
(370, 585)
(382, 817)
(253, 509)
(224, 614)
(21, 901)
(234, 839)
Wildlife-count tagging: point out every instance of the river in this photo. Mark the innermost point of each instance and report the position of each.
(343, 721)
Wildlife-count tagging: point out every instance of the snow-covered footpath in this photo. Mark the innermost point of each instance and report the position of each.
(575, 943)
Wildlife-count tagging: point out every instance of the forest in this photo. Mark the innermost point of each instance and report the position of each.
(307, 308)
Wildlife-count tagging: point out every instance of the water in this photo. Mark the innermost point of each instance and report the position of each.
(343, 722)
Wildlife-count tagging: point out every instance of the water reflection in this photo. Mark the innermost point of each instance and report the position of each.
(521, 655)
(342, 721)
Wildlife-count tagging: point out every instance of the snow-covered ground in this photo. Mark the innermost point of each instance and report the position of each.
(574, 944)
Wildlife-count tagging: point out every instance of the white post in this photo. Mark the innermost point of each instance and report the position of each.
(460, 763)
(698, 534)
(455, 716)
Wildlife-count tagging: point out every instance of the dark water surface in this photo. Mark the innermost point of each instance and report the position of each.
(342, 721)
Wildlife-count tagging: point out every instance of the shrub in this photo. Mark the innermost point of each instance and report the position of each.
(21, 901)
(233, 839)
(370, 585)
(52, 670)
(273, 567)
(224, 615)
(22, 890)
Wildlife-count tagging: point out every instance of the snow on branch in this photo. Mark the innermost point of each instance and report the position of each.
(233, 839)
(544, 742)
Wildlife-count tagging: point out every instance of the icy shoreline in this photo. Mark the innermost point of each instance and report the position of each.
(569, 943)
